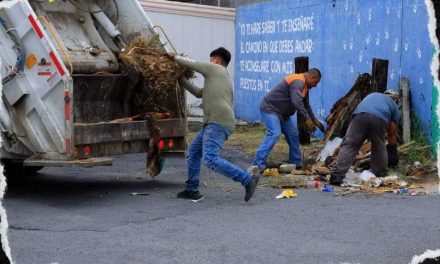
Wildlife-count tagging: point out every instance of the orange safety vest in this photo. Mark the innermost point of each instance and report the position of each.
(297, 76)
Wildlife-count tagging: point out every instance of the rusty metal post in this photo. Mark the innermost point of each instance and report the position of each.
(301, 66)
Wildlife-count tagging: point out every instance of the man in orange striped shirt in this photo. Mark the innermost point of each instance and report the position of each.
(277, 108)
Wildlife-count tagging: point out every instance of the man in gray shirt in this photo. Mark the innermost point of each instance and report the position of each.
(276, 109)
(375, 115)
(218, 123)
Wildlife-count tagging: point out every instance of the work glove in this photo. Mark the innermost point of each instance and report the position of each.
(319, 124)
(310, 125)
(393, 155)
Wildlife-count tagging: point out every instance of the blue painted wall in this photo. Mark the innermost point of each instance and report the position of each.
(340, 37)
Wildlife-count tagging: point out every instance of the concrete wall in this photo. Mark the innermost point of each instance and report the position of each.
(195, 30)
(340, 37)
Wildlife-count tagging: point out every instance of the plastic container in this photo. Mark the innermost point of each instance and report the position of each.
(287, 168)
(365, 175)
(327, 189)
(314, 184)
(330, 148)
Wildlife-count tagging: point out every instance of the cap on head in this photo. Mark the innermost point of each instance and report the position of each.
(393, 94)
(223, 53)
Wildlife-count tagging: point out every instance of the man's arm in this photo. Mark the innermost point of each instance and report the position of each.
(201, 67)
(393, 153)
(297, 98)
(298, 102)
(309, 109)
(392, 133)
(196, 91)
(395, 114)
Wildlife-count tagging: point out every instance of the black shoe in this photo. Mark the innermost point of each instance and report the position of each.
(251, 186)
(336, 180)
(195, 196)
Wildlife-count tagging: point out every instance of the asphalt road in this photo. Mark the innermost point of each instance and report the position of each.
(89, 216)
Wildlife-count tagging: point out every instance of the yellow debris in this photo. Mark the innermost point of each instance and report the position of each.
(271, 173)
(288, 193)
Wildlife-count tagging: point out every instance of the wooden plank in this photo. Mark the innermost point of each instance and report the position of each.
(69, 163)
(406, 120)
(341, 112)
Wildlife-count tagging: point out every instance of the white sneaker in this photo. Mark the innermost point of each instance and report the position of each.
(253, 170)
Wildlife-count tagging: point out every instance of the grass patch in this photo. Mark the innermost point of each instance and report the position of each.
(419, 151)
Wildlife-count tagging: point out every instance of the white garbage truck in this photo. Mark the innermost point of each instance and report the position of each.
(67, 100)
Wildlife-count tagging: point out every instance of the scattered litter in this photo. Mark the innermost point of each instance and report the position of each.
(289, 181)
(330, 148)
(390, 180)
(381, 190)
(287, 168)
(365, 175)
(348, 191)
(393, 181)
(321, 170)
(350, 184)
(301, 172)
(401, 191)
(135, 193)
(288, 193)
(271, 172)
(418, 192)
(417, 164)
(314, 184)
(327, 189)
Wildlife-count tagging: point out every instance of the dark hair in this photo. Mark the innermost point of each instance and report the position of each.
(317, 71)
(222, 53)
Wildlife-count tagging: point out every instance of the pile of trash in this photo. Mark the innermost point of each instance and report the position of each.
(368, 182)
(316, 177)
(157, 67)
(287, 176)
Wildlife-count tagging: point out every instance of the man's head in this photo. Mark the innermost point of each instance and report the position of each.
(394, 95)
(220, 56)
(312, 77)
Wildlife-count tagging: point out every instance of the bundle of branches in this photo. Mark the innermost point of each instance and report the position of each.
(337, 121)
(150, 59)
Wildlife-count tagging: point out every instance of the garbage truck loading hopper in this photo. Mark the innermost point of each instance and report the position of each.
(71, 101)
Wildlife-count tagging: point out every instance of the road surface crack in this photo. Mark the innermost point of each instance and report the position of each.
(55, 231)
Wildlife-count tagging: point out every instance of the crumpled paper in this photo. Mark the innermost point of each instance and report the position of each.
(288, 193)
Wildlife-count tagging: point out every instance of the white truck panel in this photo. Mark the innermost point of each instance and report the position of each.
(63, 85)
(40, 116)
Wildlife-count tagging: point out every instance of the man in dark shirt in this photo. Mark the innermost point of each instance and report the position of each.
(375, 115)
(276, 109)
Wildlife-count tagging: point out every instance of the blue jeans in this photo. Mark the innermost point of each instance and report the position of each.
(275, 127)
(207, 145)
